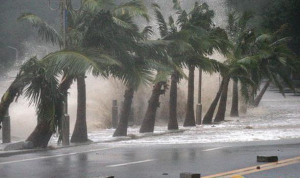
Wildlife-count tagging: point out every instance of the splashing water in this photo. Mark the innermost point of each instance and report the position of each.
(101, 92)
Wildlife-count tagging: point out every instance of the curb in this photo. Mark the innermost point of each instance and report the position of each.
(130, 137)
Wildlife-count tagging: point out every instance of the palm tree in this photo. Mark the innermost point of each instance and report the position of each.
(241, 39)
(268, 56)
(237, 25)
(37, 80)
(210, 113)
(160, 85)
(173, 122)
(79, 25)
(132, 49)
(275, 61)
(80, 131)
(177, 50)
(205, 39)
(139, 72)
(235, 100)
(261, 94)
(186, 50)
(237, 73)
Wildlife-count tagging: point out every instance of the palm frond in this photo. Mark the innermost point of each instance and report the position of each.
(177, 5)
(282, 41)
(94, 6)
(244, 19)
(162, 76)
(133, 8)
(162, 25)
(78, 63)
(120, 22)
(45, 31)
(147, 32)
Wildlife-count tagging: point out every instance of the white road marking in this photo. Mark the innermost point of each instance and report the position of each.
(213, 149)
(131, 163)
(55, 156)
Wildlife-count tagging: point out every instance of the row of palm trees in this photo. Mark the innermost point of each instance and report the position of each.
(105, 40)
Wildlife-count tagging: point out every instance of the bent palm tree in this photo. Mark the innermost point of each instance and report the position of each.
(275, 61)
(274, 58)
(205, 39)
(79, 23)
(38, 81)
(241, 40)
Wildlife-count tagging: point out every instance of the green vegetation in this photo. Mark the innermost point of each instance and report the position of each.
(104, 39)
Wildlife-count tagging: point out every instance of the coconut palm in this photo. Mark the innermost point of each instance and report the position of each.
(275, 62)
(177, 46)
(135, 51)
(206, 38)
(237, 26)
(237, 73)
(268, 57)
(78, 28)
(38, 81)
(160, 86)
(143, 63)
(181, 51)
(241, 38)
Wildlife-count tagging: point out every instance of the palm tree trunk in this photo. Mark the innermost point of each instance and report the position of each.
(235, 101)
(41, 135)
(149, 119)
(252, 94)
(210, 113)
(261, 94)
(7, 98)
(173, 123)
(126, 108)
(42, 132)
(223, 103)
(190, 114)
(80, 131)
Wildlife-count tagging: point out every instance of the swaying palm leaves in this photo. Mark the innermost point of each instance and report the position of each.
(205, 38)
(273, 60)
(38, 79)
(120, 44)
(45, 31)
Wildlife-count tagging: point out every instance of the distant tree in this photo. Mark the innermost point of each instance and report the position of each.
(205, 38)
(276, 62)
(281, 12)
(241, 38)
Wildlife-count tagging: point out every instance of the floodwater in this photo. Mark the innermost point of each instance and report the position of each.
(276, 118)
(101, 92)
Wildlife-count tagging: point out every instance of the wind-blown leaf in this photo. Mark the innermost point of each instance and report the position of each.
(132, 8)
(147, 32)
(76, 63)
(162, 25)
(45, 31)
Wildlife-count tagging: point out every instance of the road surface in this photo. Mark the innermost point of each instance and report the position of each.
(146, 161)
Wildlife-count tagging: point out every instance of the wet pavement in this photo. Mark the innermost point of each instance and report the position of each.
(206, 149)
(291, 171)
(140, 161)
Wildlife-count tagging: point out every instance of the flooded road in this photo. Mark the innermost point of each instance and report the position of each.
(276, 118)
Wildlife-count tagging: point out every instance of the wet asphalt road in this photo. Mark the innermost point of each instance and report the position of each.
(142, 161)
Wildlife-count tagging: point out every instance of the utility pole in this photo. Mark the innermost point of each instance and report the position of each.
(65, 6)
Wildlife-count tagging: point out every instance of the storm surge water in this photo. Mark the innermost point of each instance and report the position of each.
(101, 92)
